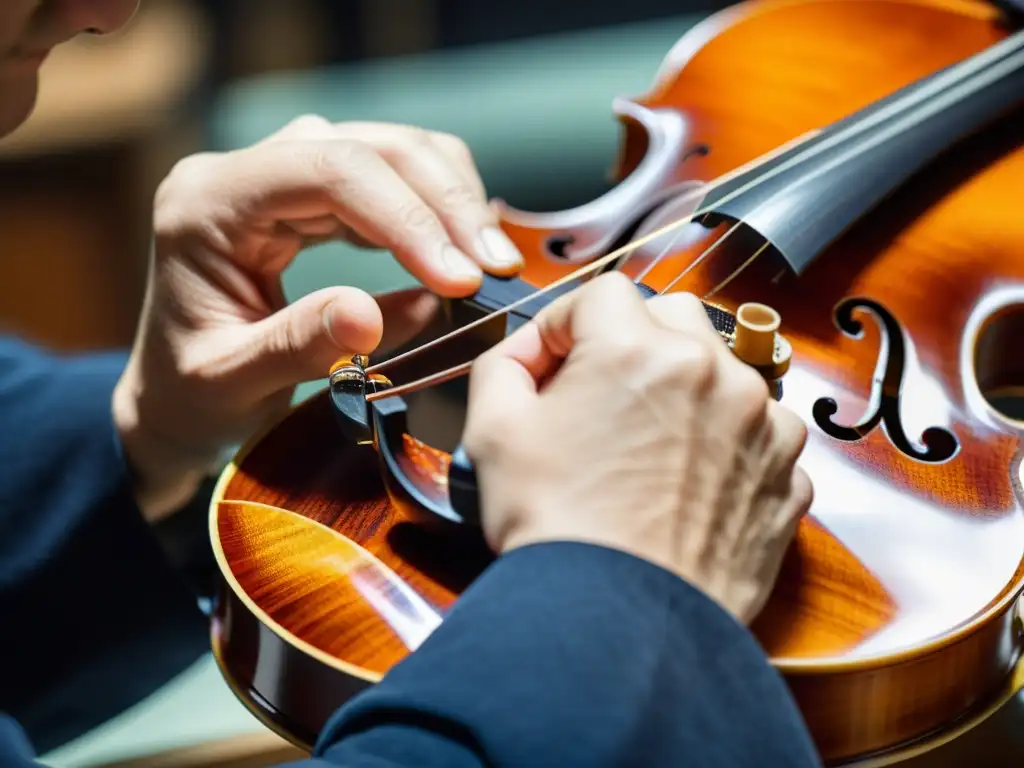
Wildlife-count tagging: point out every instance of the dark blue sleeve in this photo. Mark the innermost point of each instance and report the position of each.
(576, 655)
(560, 654)
(94, 614)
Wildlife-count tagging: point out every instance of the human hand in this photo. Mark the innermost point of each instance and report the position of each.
(218, 351)
(631, 425)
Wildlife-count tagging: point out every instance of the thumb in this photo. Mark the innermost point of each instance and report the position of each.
(301, 341)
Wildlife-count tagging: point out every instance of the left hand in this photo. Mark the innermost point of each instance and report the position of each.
(219, 351)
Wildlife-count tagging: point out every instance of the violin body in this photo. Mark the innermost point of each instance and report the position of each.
(895, 617)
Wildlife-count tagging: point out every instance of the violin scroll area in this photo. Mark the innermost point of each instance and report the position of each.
(349, 384)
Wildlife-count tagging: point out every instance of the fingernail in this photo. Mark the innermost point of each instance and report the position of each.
(457, 264)
(495, 248)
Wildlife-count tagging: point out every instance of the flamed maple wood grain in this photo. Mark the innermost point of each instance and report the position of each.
(895, 613)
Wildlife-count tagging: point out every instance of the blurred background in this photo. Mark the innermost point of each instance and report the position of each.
(529, 85)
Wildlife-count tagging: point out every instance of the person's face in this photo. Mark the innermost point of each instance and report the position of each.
(29, 29)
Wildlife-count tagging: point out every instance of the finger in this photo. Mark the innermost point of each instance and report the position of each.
(789, 434)
(527, 349)
(499, 384)
(322, 229)
(502, 383)
(380, 136)
(303, 180)
(778, 545)
(304, 127)
(459, 202)
(301, 341)
(682, 312)
(461, 157)
(406, 314)
(439, 167)
(801, 495)
(606, 310)
(389, 138)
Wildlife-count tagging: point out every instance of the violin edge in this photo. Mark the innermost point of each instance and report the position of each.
(978, 669)
(957, 653)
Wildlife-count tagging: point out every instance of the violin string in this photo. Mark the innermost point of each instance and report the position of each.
(448, 374)
(845, 134)
(697, 262)
(737, 271)
(702, 193)
(956, 73)
(628, 249)
(462, 369)
(908, 122)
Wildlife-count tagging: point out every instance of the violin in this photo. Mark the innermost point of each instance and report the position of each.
(840, 181)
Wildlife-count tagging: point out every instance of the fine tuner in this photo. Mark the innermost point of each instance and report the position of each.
(370, 410)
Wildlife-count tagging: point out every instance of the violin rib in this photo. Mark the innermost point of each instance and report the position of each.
(896, 612)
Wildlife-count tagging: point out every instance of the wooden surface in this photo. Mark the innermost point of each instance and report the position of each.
(895, 611)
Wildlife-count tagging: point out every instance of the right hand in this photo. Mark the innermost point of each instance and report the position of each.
(631, 425)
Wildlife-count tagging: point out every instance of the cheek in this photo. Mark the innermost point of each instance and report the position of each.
(14, 16)
(18, 92)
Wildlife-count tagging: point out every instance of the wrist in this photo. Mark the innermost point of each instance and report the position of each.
(163, 481)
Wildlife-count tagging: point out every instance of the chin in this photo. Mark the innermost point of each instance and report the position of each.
(17, 100)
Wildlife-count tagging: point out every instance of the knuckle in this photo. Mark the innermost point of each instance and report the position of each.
(608, 289)
(308, 125)
(682, 310)
(792, 432)
(487, 434)
(336, 163)
(692, 362)
(628, 353)
(458, 196)
(803, 491)
(415, 215)
(175, 195)
(286, 342)
(748, 385)
(481, 437)
(185, 173)
(748, 393)
(419, 138)
(332, 159)
(453, 145)
(685, 302)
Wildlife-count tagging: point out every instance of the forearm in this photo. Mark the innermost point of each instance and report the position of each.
(102, 617)
(567, 654)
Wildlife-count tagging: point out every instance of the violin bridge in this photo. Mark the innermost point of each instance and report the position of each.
(349, 386)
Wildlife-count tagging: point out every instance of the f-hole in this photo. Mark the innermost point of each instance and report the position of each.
(999, 363)
(935, 444)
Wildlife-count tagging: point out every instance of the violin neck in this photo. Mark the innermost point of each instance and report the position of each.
(804, 199)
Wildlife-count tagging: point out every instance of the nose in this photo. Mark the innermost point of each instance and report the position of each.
(98, 16)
